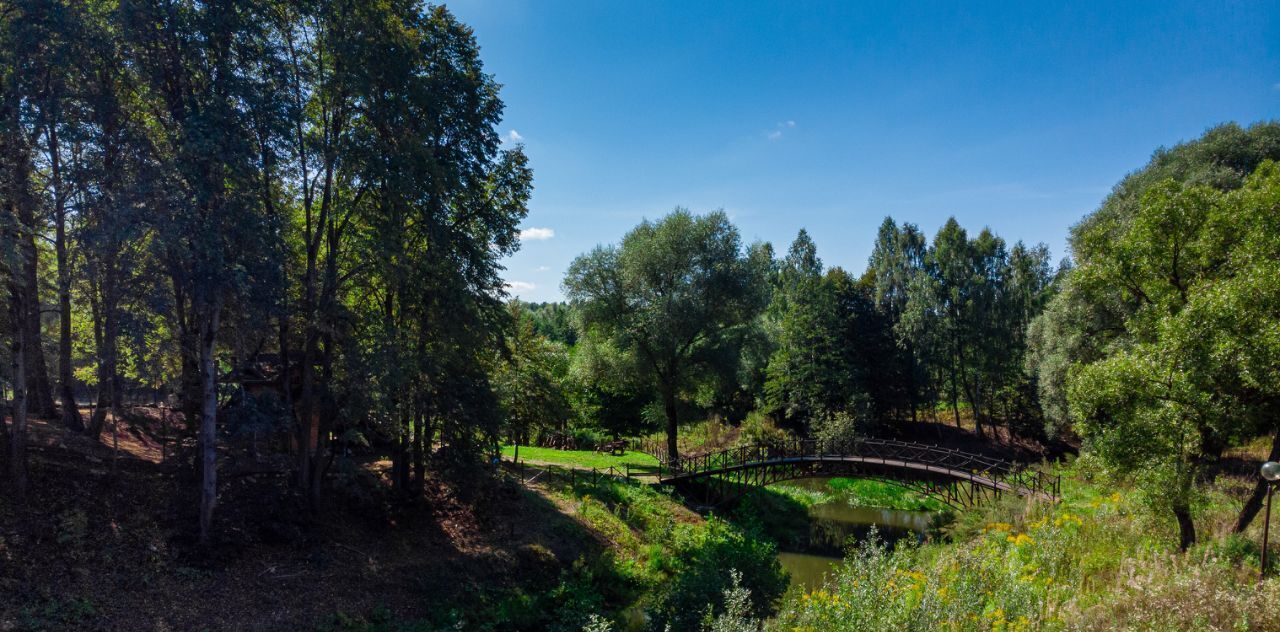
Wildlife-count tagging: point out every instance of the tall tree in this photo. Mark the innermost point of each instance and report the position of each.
(205, 63)
(803, 308)
(898, 258)
(36, 87)
(529, 379)
(1085, 322)
(672, 293)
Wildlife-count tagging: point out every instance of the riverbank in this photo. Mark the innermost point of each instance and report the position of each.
(1099, 560)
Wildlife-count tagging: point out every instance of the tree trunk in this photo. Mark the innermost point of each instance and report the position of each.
(419, 453)
(106, 340)
(306, 403)
(972, 394)
(18, 434)
(1186, 528)
(38, 388)
(955, 397)
(1254, 503)
(66, 393)
(669, 407)
(318, 463)
(190, 387)
(208, 423)
(400, 461)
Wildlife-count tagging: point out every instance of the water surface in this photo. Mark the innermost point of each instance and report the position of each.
(835, 524)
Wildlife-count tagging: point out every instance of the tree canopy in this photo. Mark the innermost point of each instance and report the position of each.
(674, 293)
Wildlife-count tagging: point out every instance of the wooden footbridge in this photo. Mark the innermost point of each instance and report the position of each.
(959, 479)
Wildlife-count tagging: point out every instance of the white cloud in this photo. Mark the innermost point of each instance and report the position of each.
(777, 132)
(542, 268)
(521, 286)
(536, 234)
(514, 136)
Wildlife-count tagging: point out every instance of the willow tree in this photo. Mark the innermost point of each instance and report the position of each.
(672, 293)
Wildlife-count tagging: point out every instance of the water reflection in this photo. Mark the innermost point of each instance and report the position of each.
(835, 524)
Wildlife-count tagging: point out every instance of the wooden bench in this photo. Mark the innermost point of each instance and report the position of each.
(616, 448)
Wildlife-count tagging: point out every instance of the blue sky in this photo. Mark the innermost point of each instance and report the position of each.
(1018, 116)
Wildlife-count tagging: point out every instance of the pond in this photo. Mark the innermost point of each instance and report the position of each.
(835, 523)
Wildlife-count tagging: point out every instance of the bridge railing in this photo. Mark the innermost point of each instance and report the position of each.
(1015, 475)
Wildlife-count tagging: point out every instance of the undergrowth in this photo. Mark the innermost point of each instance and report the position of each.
(1099, 560)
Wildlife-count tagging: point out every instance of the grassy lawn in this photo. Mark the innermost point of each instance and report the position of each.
(579, 458)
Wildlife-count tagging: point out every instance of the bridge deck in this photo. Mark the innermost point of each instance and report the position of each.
(903, 459)
(922, 467)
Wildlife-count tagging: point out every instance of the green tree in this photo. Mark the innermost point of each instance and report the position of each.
(1081, 321)
(897, 259)
(672, 293)
(529, 380)
(1087, 322)
(805, 366)
(1149, 406)
(608, 387)
(205, 65)
(439, 204)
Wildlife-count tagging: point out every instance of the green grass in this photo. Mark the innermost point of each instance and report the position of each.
(1097, 560)
(579, 458)
(866, 493)
(858, 492)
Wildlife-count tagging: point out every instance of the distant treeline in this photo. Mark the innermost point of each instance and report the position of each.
(927, 326)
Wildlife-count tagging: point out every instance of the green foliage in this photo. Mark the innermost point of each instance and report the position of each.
(553, 321)
(804, 366)
(1086, 318)
(867, 493)
(1162, 392)
(737, 615)
(671, 561)
(529, 380)
(759, 428)
(1089, 563)
(676, 296)
(609, 390)
(834, 427)
(57, 614)
(967, 310)
(708, 558)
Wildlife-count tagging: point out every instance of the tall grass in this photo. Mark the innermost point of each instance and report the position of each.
(1096, 561)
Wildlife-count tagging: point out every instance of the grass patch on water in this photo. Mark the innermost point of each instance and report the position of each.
(865, 493)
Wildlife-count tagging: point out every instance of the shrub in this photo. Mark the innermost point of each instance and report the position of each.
(709, 557)
(760, 428)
